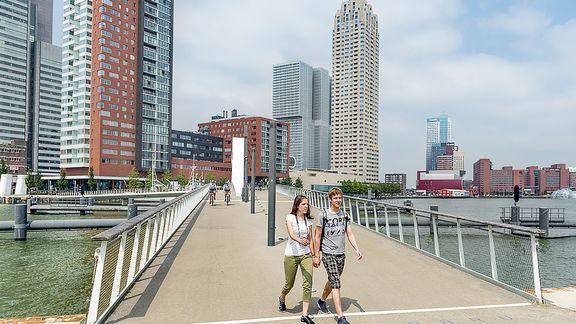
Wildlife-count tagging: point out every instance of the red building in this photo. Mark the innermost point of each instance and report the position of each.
(481, 176)
(435, 181)
(202, 169)
(258, 129)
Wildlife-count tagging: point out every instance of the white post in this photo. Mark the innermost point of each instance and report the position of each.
(536, 268)
(134, 256)
(400, 225)
(376, 218)
(145, 247)
(492, 253)
(119, 266)
(435, 228)
(416, 232)
(460, 243)
(100, 256)
(366, 216)
(387, 221)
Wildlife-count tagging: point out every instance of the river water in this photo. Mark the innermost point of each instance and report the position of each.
(48, 274)
(51, 272)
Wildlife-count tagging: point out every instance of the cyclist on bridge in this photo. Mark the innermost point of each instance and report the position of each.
(226, 192)
(212, 189)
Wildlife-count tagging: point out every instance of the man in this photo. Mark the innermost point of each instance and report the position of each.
(226, 190)
(332, 229)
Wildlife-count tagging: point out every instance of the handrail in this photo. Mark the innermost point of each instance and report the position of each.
(525, 279)
(127, 250)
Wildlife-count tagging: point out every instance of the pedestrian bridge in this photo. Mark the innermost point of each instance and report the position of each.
(217, 268)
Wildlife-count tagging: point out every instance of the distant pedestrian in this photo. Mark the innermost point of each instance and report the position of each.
(332, 228)
(298, 253)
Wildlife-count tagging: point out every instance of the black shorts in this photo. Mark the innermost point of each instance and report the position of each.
(334, 265)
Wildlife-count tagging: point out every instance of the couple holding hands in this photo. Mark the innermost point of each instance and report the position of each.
(305, 249)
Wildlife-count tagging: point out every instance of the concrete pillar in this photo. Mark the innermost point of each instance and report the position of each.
(20, 222)
(515, 215)
(544, 221)
(432, 208)
(162, 201)
(132, 209)
(83, 202)
(91, 202)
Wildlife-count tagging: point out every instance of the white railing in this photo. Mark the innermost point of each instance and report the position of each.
(504, 254)
(128, 249)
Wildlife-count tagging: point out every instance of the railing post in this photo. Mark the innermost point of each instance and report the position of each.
(387, 221)
(400, 225)
(100, 256)
(435, 230)
(460, 244)
(376, 218)
(119, 266)
(416, 232)
(536, 268)
(134, 256)
(357, 213)
(366, 216)
(492, 253)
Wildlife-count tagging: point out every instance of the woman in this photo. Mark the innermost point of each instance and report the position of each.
(297, 253)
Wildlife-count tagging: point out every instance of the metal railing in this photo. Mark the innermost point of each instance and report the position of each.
(128, 249)
(504, 254)
(532, 214)
(99, 192)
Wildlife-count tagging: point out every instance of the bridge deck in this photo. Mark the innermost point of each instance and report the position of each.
(218, 268)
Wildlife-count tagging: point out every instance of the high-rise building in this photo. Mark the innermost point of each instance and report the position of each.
(438, 132)
(30, 82)
(397, 178)
(354, 112)
(117, 87)
(301, 97)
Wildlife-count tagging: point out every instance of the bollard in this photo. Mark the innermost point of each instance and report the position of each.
(90, 201)
(132, 210)
(432, 208)
(20, 222)
(515, 215)
(544, 221)
(82, 203)
(162, 201)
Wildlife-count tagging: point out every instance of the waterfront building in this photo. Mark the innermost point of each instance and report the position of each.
(532, 180)
(435, 180)
(117, 87)
(572, 177)
(397, 178)
(13, 154)
(438, 135)
(192, 145)
(301, 97)
(321, 180)
(30, 82)
(257, 131)
(355, 80)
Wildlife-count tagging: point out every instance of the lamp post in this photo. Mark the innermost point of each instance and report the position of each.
(272, 186)
(245, 186)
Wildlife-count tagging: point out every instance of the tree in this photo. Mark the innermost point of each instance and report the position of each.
(38, 182)
(298, 183)
(182, 180)
(167, 178)
(148, 183)
(62, 183)
(286, 181)
(3, 167)
(222, 181)
(91, 181)
(133, 181)
(30, 183)
(209, 178)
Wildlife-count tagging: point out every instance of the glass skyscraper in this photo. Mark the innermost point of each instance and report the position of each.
(438, 132)
(301, 97)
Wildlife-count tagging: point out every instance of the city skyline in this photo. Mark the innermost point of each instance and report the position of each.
(511, 61)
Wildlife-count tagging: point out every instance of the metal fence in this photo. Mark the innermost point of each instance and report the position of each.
(128, 249)
(504, 254)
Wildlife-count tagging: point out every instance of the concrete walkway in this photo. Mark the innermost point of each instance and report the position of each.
(218, 268)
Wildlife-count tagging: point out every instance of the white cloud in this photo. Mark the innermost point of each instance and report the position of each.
(518, 19)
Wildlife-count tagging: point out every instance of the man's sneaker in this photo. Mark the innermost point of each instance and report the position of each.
(281, 305)
(322, 306)
(343, 320)
(306, 319)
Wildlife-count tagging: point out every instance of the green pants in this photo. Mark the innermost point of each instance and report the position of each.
(291, 267)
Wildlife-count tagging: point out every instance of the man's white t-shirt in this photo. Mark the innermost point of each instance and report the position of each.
(300, 229)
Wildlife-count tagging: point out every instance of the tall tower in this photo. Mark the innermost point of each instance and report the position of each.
(301, 97)
(354, 119)
(438, 132)
(30, 82)
(117, 87)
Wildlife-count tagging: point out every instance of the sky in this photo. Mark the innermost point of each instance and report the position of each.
(503, 70)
